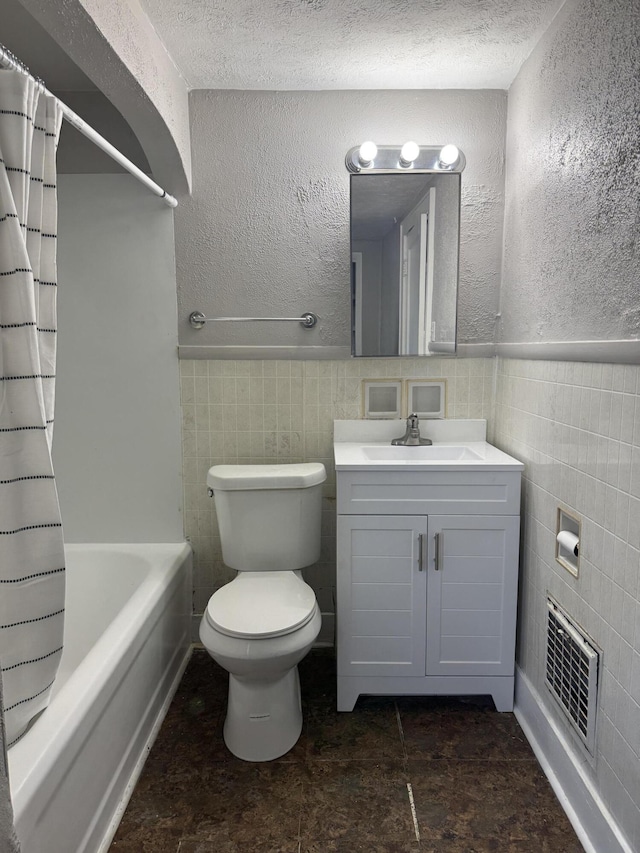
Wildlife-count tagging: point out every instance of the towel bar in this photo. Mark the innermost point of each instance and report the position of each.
(197, 319)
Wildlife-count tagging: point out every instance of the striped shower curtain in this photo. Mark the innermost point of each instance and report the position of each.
(31, 546)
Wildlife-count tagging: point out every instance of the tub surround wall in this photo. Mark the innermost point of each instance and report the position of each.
(266, 232)
(239, 412)
(117, 432)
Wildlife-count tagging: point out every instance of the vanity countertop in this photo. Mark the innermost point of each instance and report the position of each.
(381, 456)
(458, 445)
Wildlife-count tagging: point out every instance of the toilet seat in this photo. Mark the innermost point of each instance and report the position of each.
(257, 605)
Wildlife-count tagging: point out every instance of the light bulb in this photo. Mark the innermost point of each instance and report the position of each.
(408, 153)
(449, 156)
(367, 153)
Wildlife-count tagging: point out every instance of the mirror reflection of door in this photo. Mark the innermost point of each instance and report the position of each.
(404, 231)
(416, 276)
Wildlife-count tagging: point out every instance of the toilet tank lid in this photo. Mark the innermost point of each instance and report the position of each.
(286, 476)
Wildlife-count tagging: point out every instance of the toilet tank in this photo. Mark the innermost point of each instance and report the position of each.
(268, 515)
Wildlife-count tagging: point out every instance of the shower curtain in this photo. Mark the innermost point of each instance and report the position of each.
(31, 545)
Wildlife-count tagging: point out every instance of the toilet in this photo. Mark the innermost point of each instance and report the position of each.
(261, 624)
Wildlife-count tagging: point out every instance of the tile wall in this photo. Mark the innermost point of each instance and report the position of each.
(575, 426)
(268, 411)
(577, 429)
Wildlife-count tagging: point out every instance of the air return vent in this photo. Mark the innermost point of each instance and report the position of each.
(572, 673)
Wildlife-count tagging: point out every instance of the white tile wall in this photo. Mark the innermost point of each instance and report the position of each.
(265, 411)
(577, 429)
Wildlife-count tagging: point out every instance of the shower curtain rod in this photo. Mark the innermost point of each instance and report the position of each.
(11, 62)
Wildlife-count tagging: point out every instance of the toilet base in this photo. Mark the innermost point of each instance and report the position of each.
(264, 716)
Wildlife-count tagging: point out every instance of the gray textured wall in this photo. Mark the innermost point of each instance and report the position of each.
(571, 259)
(267, 228)
(115, 44)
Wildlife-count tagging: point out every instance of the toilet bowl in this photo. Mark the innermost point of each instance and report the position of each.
(261, 624)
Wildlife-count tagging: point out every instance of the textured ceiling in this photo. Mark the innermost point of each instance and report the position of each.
(350, 44)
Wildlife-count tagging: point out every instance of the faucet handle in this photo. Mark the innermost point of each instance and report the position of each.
(413, 421)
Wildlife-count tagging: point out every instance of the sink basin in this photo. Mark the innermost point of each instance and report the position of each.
(436, 452)
(458, 445)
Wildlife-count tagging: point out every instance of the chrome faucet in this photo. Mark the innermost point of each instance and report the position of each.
(411, 438)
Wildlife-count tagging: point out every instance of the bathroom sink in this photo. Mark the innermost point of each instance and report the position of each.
(435, 452)
(458, 445)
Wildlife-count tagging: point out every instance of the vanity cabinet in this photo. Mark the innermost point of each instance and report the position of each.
(427, 578)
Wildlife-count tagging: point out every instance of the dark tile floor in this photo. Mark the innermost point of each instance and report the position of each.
(412, 774)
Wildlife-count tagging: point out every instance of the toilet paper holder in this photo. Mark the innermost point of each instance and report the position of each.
(568, 541)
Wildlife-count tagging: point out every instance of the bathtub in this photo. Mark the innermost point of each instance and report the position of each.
(126, 643)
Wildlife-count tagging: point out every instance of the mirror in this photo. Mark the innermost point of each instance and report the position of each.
(405, 229)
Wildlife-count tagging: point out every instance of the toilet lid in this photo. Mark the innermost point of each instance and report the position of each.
(261, 604)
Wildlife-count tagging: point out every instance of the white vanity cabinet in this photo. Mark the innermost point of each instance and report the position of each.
(427, 581)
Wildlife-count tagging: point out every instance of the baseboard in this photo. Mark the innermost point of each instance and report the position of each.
(327, 634)
(563, 767)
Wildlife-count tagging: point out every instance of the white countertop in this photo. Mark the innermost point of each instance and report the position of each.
(458, 445)
(352, 456)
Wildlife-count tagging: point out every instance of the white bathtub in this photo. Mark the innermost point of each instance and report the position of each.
(126, 644)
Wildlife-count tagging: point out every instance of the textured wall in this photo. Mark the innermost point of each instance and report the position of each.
(114, 43)
(267, 228)
(571, 260)
(571, 272)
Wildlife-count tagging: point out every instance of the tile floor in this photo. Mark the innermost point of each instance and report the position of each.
(347, 784)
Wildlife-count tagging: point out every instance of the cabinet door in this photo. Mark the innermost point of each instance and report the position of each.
(472, 591)
(381, 587)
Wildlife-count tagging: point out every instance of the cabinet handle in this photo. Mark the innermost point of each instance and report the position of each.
(439, 539)
(420, 551)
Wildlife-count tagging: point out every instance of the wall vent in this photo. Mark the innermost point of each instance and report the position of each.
(572, 673)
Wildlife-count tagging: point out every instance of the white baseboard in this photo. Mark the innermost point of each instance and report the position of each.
(564, 768)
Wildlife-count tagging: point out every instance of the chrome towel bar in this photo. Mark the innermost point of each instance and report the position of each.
(197, 319)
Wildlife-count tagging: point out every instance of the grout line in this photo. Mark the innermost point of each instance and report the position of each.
(414, 816)
(401, 730)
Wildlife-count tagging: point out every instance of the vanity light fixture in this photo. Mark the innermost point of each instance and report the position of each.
(411, 157)
(449, 157)
(408, 153)
(367, 154)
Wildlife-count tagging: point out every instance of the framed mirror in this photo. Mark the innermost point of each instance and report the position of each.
(405, 232)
